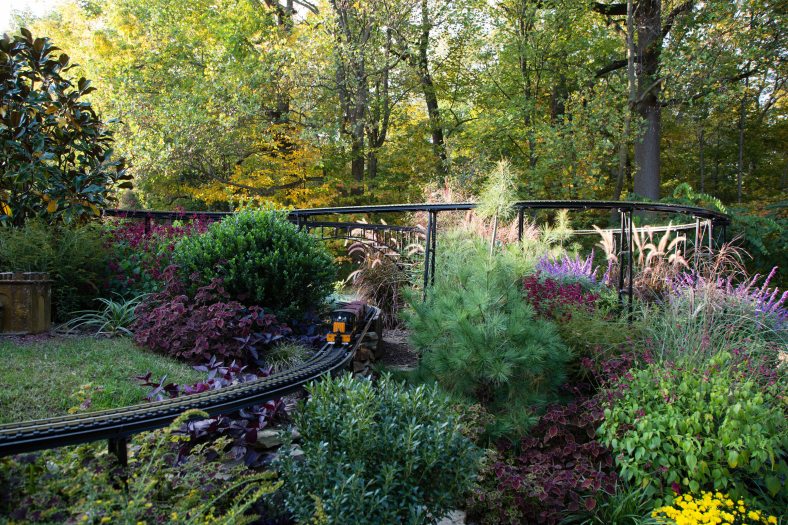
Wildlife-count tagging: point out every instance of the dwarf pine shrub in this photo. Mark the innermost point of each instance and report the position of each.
(480, 339)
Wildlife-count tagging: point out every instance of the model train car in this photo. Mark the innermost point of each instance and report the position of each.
(346, 322)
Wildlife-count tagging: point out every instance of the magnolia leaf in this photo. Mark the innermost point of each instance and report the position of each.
(52, 206)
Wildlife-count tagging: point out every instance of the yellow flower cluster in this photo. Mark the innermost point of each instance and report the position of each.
(711, 509)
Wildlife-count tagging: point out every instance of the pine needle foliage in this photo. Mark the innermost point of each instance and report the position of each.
(481, 341)
(498, 197)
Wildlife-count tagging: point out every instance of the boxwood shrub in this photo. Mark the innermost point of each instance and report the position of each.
(262, 260)
(377, 453)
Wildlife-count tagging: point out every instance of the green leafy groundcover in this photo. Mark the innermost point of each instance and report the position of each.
(684, 427)
(82, 484)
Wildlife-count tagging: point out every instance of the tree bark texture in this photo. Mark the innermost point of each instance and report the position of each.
(648, 18)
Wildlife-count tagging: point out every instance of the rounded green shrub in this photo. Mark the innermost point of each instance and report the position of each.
(377, 453)
(678, 428)
(263, 259)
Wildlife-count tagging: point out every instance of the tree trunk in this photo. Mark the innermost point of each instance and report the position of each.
(494, 235)
(523, 29)
(372, 164)
(623, 148)
(430, 95)
(715, 174)
(558, 100)
(702, 153)
(284, 20)
(647, 147)
(357, 165)
(740, 163)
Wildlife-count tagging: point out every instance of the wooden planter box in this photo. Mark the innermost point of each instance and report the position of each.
(25, 303)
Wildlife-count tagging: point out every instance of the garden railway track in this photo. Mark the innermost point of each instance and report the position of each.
(116, 425)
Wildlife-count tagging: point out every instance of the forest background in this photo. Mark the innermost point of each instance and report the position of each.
(217, 102)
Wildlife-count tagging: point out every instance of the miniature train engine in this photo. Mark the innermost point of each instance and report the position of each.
(346, 322)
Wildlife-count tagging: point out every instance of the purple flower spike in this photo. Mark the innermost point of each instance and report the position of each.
(768, 302)
(566, 267)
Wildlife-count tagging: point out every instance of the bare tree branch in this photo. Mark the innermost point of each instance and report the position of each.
(671, 18)
(613, 66)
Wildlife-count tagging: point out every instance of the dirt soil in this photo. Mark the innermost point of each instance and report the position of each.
(396, 351)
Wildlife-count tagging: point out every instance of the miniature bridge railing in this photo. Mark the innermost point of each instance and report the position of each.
(708, 227)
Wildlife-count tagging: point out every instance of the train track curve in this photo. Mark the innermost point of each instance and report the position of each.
(117, 425)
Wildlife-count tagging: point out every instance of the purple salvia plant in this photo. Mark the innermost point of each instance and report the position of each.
(574, 268)
(766, 301)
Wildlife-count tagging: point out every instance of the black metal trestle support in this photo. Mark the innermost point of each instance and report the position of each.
(626, 250)
(119, 447)
(430, 246)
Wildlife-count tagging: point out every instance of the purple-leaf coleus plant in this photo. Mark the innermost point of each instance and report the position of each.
(766, 301)
(241, 426)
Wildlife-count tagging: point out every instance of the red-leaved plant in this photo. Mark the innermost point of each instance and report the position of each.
(559, 468)
(207, 325)
(142, 253)
(555, 299)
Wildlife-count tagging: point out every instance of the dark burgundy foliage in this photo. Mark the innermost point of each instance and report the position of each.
(559, 468)
(241, 426)
(205, 326)
(555, 299)
(141, 255)
(759, 367)
(218, 376)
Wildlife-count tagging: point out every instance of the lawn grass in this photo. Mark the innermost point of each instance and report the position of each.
(39, 376)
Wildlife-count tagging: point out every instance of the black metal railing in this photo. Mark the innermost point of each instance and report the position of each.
(117, 425)
(706, 223)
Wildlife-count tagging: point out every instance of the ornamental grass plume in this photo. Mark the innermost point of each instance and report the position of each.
(767, 303)
(710, 508)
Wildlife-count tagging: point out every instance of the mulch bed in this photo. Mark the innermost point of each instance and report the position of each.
(396, 351)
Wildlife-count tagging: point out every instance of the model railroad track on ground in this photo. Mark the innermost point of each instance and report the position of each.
(116, 425)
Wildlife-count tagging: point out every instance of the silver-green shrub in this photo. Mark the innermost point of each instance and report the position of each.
(377, 453)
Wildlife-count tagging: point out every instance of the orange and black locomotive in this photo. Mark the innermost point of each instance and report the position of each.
(346, 322)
